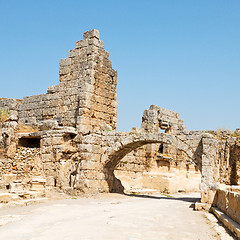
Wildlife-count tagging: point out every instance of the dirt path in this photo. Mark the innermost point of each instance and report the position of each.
(115, 217)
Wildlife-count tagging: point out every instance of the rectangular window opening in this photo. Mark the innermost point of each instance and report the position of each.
(29, 142)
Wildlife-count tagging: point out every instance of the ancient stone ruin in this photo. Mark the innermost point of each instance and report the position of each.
(66, 139)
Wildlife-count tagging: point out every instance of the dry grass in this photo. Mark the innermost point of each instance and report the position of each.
(26, 129)
(4, 114)
(220, 135)
(18, 100)
(236, 134)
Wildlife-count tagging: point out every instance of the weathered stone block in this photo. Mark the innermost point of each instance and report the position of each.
(8, 197)
(91, 34)
(65, 62)
(53, 89)
(81, 44)
(222, 200)
(73, 53)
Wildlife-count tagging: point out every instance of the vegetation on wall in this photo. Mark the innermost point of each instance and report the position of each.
(4, 114)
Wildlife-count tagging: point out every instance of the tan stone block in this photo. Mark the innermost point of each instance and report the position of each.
(92, 49)
(47, 157)
(73, 53)
(84, 128)
(8, 197)
(81, 44)
(63, 70)
(91, 34)
(83, 120)
(8, 178)
(222, 200)
(233, 206)
(12, 150)
(65, 62)
(96, 42)
(89, 165)
(57, 140)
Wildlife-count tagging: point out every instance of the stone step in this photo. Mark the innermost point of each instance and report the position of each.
(25, 202)
(227, 222)
(8, 197)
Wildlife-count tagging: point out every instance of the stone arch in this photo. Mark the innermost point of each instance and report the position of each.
(126, 146)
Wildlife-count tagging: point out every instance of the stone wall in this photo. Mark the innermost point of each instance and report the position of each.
(10, 107)
(212, 154)
(161, 166)
(224, 151)
(86, 95)
(131, 168)
(156, 117)
(229, 203)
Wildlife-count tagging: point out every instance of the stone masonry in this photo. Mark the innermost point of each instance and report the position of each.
(156, 117)
(86, 95)
(66, 139)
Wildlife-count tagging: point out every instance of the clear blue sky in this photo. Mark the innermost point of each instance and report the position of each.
(183, 55)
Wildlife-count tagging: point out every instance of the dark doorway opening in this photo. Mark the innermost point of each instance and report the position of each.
(29, 142)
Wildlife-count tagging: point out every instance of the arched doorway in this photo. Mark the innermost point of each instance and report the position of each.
(115, 157)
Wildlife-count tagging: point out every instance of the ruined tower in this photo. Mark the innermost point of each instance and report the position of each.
(86, 95)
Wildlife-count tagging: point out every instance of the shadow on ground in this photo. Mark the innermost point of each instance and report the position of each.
(184, 199)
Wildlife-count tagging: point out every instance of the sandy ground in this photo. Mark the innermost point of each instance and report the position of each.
(109, 216)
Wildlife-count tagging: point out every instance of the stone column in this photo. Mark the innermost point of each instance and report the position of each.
(209, 154)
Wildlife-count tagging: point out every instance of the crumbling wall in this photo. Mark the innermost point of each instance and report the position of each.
(9, 108)
(229, 202)
(38, 108)
(17, 163)
(84, 99)
(168, 171)
(86, 95)
(101, 104)
(162, 166)
(156, 117)
(226, 167)
(73, 143)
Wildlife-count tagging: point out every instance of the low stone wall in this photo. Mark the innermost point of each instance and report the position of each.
(228, 202)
